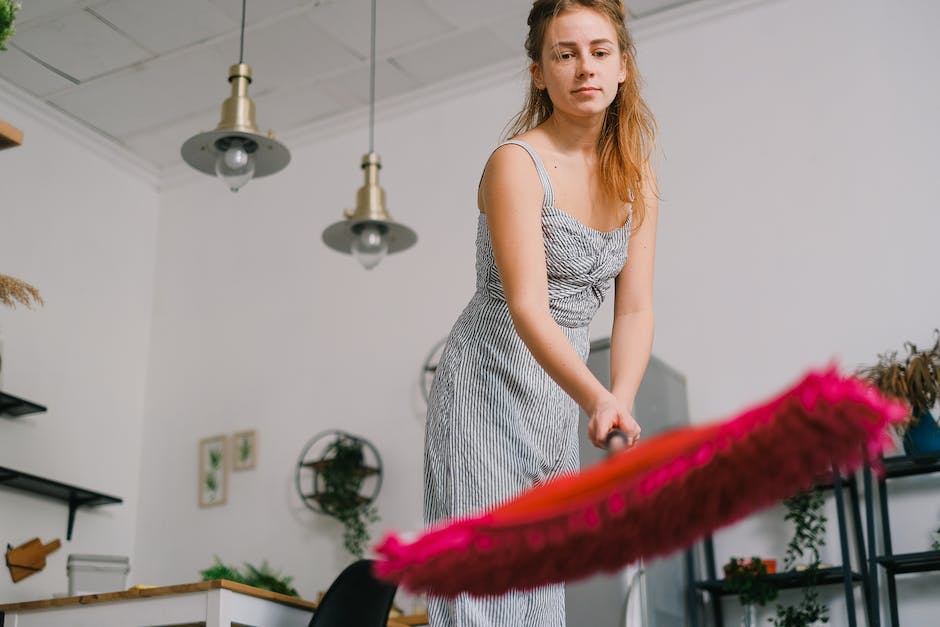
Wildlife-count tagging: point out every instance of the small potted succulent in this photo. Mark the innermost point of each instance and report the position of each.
(914, 379)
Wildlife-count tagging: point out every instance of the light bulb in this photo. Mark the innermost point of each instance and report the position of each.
(369, 246)
(235, 166)
(236, 157)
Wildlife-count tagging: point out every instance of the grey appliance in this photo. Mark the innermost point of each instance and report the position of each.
(649, 594)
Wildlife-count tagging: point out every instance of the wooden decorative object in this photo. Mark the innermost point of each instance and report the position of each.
(29, 558)
(10, 136)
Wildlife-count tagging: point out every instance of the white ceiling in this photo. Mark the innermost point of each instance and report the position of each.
(148, 74)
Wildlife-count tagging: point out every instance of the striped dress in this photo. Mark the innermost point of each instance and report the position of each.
(497, 423)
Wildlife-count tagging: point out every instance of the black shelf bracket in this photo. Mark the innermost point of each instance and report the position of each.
(73, 496)
(14, 406)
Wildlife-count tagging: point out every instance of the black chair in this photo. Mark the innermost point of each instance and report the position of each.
(355, 599)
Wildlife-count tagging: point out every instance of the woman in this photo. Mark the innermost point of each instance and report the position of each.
(560, 204)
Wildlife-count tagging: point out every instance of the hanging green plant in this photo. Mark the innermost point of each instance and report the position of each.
(342, 476)
(805, 511)
(8, 9)
(257, 577)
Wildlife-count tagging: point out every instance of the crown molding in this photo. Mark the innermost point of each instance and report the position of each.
(94, 140)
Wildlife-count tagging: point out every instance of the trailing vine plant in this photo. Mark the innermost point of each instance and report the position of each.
(805, 511)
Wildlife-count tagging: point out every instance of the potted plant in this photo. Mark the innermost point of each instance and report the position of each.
(914, 379)
(805, 511)
(748, 579)
(258, 577)
(8, 9)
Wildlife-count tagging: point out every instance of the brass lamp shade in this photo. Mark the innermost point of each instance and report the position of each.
(370, 210)
(202, 151)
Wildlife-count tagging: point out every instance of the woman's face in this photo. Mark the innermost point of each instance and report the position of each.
(582, 64)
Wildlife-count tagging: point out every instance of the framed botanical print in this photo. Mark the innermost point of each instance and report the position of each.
(213, 471)
(244, 450)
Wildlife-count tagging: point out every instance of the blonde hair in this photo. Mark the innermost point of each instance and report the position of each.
(629, 130)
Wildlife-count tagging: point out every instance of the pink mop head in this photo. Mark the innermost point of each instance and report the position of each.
(654, 499)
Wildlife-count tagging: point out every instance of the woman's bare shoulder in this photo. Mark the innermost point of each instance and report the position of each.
(509, 174)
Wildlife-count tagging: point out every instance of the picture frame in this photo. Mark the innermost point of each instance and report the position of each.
(213, 471)
(244, 450)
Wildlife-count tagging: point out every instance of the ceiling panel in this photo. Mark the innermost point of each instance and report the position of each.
(79, 44)
(26, 74)
(261, 10)
(289, 51)
(157, 25)
(512, 30)
(398, 23)
(449, 57)
(161, 146)
(32, 9)
(292, 107)
(389, 82)
(641, 8)
(151, 93)
(464, 14)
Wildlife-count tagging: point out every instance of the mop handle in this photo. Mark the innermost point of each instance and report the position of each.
(617, 440)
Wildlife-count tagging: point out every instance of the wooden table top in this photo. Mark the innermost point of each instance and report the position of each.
(145, 592)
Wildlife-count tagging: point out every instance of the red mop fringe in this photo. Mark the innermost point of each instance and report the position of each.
(657, 498)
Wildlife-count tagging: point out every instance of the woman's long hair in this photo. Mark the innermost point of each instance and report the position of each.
(629, 130)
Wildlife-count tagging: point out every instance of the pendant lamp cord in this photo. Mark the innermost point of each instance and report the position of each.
(241, 43)
(372, 86)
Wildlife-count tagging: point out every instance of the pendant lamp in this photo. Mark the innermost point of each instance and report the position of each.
(235, 151)
(368, 231)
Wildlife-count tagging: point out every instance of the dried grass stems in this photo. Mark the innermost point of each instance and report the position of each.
(915, 378)
(13, 291)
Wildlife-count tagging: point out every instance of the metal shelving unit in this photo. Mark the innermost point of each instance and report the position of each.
(894, 564)
(845, 574)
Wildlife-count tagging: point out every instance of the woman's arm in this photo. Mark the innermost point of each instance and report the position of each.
(511, 195)
(632, 336)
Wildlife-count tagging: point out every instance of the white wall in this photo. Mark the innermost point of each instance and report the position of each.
(796, 154)
(81, 228)
(799, 220)
(795, 150)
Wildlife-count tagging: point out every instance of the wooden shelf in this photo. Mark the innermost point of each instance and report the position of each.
(73, 496)
(790, 579)
(15, 406)
(10, 136)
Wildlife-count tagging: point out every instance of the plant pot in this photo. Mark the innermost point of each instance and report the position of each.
(922, 439)
(749, 615)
